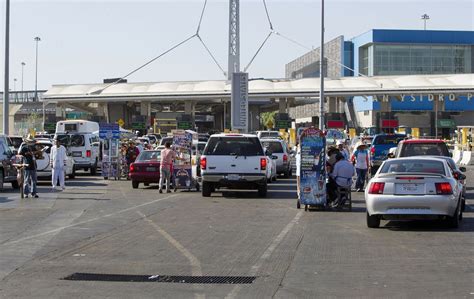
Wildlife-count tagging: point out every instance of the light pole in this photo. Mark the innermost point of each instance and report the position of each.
(425, 18)
(14, 83)
(321, 73)
(22, 71)
(37, 40)
(6, 107)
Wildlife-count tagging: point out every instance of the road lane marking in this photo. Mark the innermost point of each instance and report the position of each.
(267, 254)
(88, 221)
(196, 269)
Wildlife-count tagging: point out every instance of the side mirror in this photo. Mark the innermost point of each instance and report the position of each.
(462, 169)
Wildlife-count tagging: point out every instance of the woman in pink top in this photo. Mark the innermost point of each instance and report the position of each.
(167, 157)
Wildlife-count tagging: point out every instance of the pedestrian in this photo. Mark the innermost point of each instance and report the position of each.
(342, 149)
(331, 158)
(360, 159)
(58, 164)
(30, 179)
(132, 153)
(341, 176)
(167, 157)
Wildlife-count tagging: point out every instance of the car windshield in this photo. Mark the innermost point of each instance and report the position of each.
(273, 147)
(234, 146)
(149, 156)
(387, 140)
(166, 139)
(269, 134)
(413, 166)
(424, 149)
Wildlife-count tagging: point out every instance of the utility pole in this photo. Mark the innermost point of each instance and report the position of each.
(6, 110)
(425, 18)
(22, 71)
(37, 40)
(321, 73)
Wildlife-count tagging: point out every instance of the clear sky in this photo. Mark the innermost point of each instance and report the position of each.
(86, 41)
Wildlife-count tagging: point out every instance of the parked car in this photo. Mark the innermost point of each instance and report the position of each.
(7, 159)
(272, 168)
(422, 147)
(146, 168)
(43, 165)
(414, 188)
(235, 161)
(281, 154)
(380, 147)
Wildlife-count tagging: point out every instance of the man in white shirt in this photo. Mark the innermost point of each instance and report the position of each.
(58, 163)
(341, 176)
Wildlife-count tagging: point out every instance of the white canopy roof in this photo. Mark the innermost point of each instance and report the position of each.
(263, 88)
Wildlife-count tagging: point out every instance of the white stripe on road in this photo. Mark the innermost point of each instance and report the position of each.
(266, 255)
(195, 264)
(90, 220)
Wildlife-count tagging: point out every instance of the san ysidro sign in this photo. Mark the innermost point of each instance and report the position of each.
(431, 97)
(239, 101)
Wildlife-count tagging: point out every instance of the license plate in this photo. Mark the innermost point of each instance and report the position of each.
(77, 154)
(151, 169)
(233, 177)
(410, 189)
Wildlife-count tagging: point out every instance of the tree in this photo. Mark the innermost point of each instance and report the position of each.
(268, 119)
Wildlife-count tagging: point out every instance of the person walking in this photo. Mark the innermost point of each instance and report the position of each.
(167, 157)
(58, 164)
(360, 159)
(30, 179)
(341, 147)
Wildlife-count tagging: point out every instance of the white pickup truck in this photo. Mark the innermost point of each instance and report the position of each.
(234, 161)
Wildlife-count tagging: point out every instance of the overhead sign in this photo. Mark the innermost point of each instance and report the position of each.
(389, 123)
(336, 124)
(282, 124)
(446, 123)
(239, 102)
(184, 125)
(138, 126)
(109, 131)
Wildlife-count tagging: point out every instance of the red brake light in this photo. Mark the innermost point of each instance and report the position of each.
(376, 188)
(443, 188)
(88, 153)
(372, 151)
(132, 168)
(263, 163)
(203, 163)
(285, 158)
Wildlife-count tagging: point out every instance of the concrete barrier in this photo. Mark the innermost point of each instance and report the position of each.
(457, 156)
(466, 158)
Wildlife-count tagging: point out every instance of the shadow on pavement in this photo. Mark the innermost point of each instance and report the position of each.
(467, 225)
(5, 200)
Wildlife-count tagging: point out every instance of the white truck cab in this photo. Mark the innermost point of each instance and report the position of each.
(81, 141)
(234, 161)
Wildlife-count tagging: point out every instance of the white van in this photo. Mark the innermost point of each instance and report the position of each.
(82, 142)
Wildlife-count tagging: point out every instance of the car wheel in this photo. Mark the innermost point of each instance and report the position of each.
(274, 178)
(135, 184)
(15, 184)
(373, 221)
(94, 169)
(286, 174)
(1, 179)
(206, 189)
(463, 204)
(454, 221)
(262, 190)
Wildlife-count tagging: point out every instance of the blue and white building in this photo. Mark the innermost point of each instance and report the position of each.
(386, 52)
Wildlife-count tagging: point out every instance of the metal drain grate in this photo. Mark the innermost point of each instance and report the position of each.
(162, 278)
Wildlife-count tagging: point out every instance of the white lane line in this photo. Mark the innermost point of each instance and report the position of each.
(266, 255)
(90, 220)
(196, 269)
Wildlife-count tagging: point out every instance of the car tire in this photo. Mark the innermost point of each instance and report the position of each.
(1, 180)
(262, 190)
(373, 221)
(206, 189)
(463, 204)
(135, 184)
(274, 178)
(94, 169)
(454, 221)
(286, 174)
(15, 184)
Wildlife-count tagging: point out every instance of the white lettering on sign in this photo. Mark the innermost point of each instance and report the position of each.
(375, 98)
(441, 97)
(452, 97)
(430, 97)
(469, 97)
(413, 98)
(386, 98)
(403, 97)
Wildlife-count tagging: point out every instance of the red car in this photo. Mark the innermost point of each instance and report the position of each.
(146, 168)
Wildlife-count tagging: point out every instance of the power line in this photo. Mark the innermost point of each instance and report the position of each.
(200, 19)
(268, 15)
(212, 56)
(258, 51)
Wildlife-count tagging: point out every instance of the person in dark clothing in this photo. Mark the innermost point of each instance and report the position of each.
(27, 152)
(132, 153)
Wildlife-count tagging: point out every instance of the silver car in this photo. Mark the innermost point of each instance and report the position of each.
(414, 188)
(280, 155)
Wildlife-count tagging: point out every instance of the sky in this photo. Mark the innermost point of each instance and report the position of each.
(87, 41)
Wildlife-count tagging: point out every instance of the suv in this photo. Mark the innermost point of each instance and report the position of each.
(235, 161)
(422, 147)
(268, 134)
(280, 154)
(381, 144)
(7, 159)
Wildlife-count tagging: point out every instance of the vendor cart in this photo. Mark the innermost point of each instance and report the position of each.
(183, 173)
(312, 191)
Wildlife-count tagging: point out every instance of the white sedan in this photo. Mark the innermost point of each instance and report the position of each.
(415, 188)
(44, 171)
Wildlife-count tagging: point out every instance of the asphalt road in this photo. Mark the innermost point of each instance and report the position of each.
(106, 227)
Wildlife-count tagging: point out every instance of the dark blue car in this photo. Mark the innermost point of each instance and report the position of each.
(381, 144)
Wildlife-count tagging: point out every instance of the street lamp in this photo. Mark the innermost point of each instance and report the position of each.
(6, 108)
(14, 83)
(321, 74)
(37, 40)
(425, 18)
(22, 71)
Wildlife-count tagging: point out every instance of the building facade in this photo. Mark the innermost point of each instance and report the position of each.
(382, 52)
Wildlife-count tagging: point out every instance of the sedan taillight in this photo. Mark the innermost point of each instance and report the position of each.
(376, 188)
(263, 163)
(443, 188)
(285, 158)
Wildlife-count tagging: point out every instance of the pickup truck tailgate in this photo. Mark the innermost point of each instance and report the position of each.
(233, 164)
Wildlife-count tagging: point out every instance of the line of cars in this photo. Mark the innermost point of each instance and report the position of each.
(419, 180)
